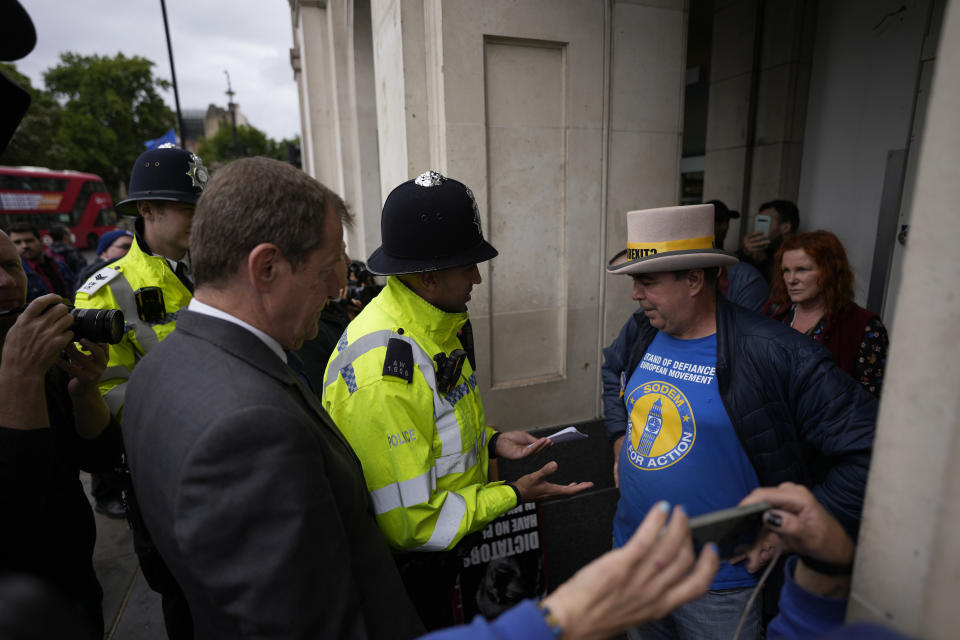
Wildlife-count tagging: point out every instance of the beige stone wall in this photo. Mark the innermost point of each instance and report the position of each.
(561, 115)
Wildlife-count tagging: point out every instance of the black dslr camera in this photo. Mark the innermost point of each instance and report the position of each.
(96, 325)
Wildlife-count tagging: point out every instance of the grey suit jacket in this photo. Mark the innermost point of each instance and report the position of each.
(254, 499)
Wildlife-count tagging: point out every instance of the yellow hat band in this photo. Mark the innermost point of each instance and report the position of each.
(636, 250)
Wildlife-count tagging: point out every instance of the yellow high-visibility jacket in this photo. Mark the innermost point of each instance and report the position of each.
(424, 454)
(112, 288)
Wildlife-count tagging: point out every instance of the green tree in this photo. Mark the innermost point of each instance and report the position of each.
(34, 142)
(220, 148)
(111, 105)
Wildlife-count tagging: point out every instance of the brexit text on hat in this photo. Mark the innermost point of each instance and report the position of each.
(636, 250)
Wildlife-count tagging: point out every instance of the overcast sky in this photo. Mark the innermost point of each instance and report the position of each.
(249, 38)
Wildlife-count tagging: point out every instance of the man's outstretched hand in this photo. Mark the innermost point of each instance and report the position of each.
(534, 486)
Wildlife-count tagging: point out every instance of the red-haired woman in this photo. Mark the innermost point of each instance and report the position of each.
(814, 295)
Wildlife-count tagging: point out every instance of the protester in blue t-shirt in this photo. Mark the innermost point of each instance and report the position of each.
(681, 446)
(704, 401)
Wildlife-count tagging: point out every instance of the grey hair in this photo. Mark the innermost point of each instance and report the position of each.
(252, 201)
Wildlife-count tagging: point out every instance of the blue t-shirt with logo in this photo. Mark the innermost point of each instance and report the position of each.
(680, 445)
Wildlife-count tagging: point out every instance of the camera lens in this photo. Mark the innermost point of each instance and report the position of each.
(98, 325)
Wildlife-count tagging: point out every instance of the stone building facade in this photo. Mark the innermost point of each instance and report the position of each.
(562, 115)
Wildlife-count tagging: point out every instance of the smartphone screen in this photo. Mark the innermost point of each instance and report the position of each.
(734, 530)
(762, 223)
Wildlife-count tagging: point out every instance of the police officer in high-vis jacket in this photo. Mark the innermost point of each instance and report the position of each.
(402, 388)
(150, 284)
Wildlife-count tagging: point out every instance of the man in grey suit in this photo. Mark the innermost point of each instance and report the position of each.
(252, 496)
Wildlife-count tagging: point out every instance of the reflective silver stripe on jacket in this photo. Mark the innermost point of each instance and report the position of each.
(457, 463)
(349, 353)
(404, 494)
(419, 489)
(114, 398)
(443, 412)
(123, 293)
(448, 523)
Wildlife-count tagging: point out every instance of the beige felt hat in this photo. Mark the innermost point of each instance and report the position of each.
(670, 239)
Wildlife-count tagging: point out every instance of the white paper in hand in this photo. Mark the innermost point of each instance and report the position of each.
(565, 435)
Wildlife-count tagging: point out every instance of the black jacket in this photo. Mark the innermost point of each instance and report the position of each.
(48, 528)
(253, 497)
(798, 417)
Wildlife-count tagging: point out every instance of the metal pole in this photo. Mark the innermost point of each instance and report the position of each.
(233, 114)
(173, 72)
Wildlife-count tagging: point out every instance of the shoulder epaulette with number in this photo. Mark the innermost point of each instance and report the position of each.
(98, 279)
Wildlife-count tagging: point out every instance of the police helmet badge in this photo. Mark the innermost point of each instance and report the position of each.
(430, 179)
(197, 172)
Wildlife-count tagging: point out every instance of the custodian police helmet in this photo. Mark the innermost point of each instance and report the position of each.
(429, 223)
(165, 173)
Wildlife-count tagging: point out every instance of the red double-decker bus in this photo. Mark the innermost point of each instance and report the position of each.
(43, 198)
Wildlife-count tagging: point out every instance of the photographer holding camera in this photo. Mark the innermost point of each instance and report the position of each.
(53, 422)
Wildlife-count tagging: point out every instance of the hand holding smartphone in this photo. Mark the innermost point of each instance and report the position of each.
(762, 224)
(734, 530)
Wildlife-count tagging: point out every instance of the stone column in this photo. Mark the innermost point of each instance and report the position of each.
(333, 64)
(908, 558)
(648, 48)
(317, 91)
(399, 59)
(355, 126)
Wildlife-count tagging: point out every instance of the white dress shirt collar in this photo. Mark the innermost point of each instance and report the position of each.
(199, 307)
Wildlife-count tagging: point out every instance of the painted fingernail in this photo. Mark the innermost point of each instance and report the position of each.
(773, 519)
(713, 547)
(664, 506)
(682, 509)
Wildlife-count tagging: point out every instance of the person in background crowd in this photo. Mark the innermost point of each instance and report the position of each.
(814, 295)
(337, 314)
(740, 282)
(45, 274)
(705, 401)
(111, 247)
(53, 422)
(401, 387)
(760, 249)
(150, 284)
(63, 248)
